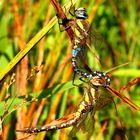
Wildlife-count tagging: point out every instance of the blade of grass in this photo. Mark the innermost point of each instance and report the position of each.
(28, 47)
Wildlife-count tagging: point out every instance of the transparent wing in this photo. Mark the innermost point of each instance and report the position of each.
(79, 125)
(92, 40)
(89, 123)
(102, 102)
(86, 122)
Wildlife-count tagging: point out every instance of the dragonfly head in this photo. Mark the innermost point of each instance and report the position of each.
(81, 13)
(100, 81)
(97, 81)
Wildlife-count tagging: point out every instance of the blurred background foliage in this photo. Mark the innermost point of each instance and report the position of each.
(41, 89)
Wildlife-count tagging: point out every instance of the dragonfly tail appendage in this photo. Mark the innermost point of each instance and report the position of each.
(103, 75)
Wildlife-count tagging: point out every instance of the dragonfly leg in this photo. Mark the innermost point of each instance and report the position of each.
(62, 24)
(65, 9)
(72, 9)
(81, 78)
(74, 79)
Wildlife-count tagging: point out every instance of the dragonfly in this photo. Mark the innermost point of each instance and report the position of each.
(91, 102)
(82, 36)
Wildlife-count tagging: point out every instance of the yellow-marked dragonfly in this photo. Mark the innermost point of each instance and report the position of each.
(82, 37)
(92, 101)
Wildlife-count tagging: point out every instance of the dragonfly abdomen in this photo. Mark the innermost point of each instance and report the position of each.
(78, 71)
(51, 126)
(75, 54)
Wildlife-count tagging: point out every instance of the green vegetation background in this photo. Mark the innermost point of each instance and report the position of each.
(42, 89)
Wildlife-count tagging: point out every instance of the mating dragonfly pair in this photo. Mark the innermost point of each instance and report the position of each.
(92, 100)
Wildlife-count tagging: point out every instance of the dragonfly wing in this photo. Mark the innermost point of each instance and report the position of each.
(77, 127)
(96, 38)
(102, 102)
(93, 37)
(89, 123)
(83, 57)
(73, 132)
(92, 41)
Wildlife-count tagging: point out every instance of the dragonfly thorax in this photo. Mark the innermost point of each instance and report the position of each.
(81, 13)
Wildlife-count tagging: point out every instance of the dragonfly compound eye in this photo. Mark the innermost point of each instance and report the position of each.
(81, 13)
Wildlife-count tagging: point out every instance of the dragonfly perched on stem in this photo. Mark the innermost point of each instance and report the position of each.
(92, 101)
(82, 34)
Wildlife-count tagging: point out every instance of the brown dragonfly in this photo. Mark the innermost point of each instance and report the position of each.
(92, 101)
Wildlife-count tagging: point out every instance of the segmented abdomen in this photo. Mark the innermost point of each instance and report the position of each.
(75, 51)
(57, 124)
